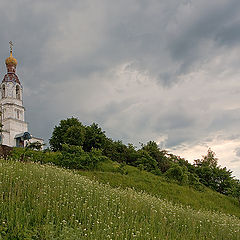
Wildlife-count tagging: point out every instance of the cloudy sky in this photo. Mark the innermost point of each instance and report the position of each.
(143, 70)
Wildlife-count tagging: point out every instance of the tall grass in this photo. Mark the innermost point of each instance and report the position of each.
(45, 202)
(206, 199)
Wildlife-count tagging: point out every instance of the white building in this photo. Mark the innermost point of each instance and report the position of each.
(14, 128)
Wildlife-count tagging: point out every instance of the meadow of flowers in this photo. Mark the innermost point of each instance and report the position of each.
(46, 202)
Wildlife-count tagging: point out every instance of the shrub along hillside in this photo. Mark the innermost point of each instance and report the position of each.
(72, 138)
(46, 202)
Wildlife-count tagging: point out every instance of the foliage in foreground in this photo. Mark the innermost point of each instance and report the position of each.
(44, 202)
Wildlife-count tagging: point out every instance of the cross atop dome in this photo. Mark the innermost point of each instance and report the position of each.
(11, 62)
(11, 46)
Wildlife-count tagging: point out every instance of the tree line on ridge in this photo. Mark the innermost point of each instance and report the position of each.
(77, 142)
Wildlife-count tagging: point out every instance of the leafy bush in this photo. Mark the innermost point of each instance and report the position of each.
(122, 169)
(177, 173)
(72, 157)
(146, 161)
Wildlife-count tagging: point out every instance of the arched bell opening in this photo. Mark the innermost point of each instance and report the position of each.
(3, 91)
(18, 92)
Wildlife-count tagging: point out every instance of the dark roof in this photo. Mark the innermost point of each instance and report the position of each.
(25, 135)
(11, 77)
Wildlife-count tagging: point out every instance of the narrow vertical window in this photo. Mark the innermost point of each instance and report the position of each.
(18, 92)
(3, 91)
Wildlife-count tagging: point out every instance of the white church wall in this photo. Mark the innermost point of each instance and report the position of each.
(6, 138)
(6, 125)
(13, 127)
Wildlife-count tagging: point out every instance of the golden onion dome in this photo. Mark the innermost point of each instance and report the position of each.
(11, 60)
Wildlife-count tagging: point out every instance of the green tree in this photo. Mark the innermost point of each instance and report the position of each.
(181, 162)
(69, 131)
(177, 173)
(160, 156)
(75, 135)
(75, 157)
(94, 138)
(208, 160)
(212, 175)
(145, 161)
(222, 180)
(235, 189)
(119, 152)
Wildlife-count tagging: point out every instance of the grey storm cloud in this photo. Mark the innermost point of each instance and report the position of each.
(144, 70)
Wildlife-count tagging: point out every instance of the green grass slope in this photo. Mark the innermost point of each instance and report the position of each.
(46, 202)
(158, 186)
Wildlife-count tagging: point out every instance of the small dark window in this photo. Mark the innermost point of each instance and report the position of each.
(18, 92)
(3, 91)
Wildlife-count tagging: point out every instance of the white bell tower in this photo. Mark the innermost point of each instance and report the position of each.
(11, 102)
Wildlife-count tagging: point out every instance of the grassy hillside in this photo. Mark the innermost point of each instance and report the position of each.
(158, 186)
(45, 202)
